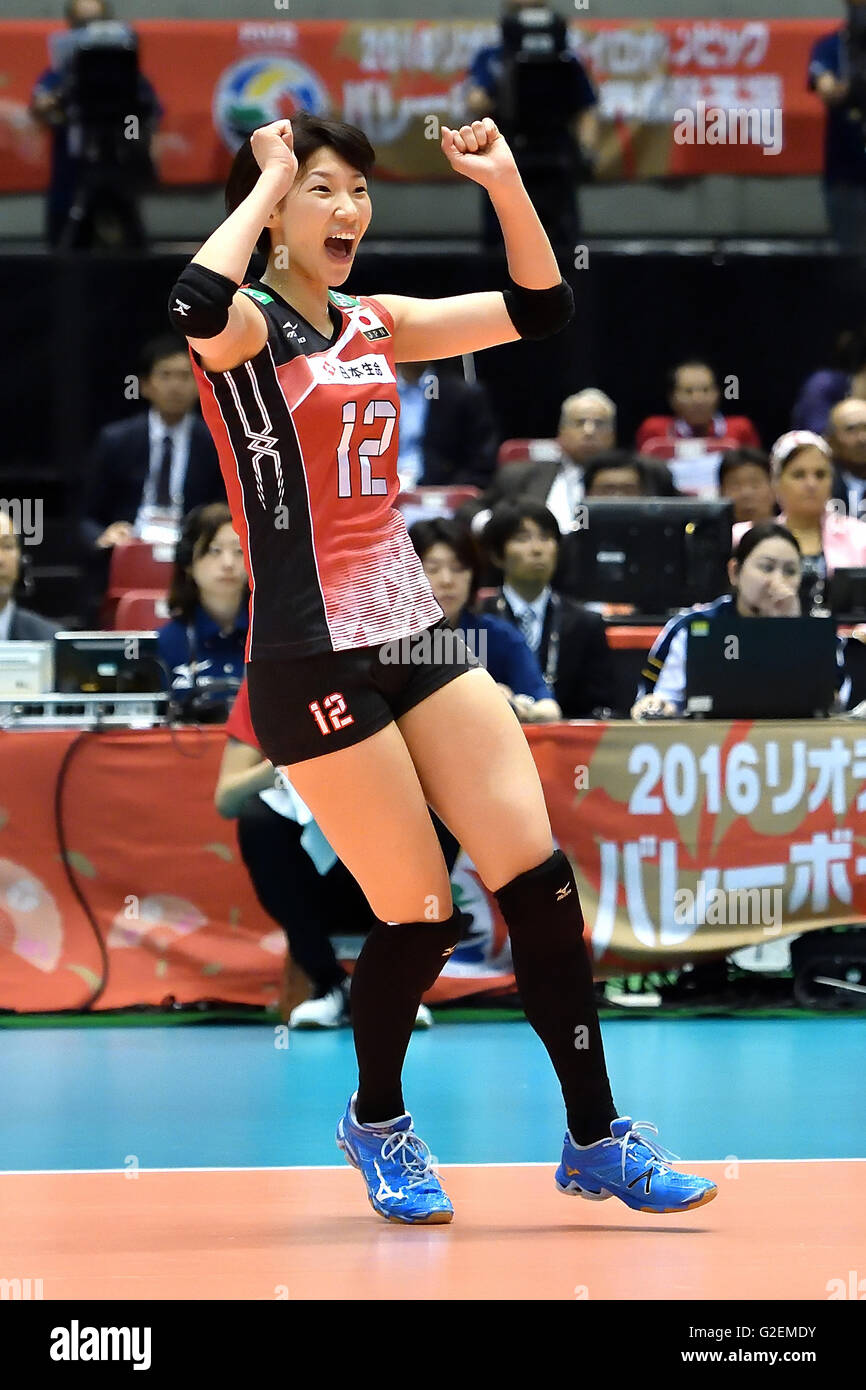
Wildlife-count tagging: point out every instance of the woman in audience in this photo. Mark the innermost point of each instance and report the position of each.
(765, 579)
(802, 470)
(202, 647)
(452, 565)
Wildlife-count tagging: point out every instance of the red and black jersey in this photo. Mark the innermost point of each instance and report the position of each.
(306, 433)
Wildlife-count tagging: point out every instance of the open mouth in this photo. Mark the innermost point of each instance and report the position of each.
(340, 248)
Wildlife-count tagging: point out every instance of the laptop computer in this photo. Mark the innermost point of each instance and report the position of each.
(26, 668)
(107, 663)
(761, 668)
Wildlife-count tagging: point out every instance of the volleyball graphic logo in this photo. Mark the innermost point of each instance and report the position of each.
(30, 922)
(268, 87)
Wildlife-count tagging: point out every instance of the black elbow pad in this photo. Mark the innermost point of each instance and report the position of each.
(539, 313)
(199, 304)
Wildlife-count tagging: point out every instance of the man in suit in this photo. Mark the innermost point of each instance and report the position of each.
(447, 433)
(846, 435)
(17, 624)
(554, 478)
(159, 463)
(522, 539)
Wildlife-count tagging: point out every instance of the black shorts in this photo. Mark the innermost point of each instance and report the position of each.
(304, 707)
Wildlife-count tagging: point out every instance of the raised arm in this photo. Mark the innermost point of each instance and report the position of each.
(539, 301)
(222, 325)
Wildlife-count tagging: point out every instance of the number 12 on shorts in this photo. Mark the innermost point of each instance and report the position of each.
(336, 708)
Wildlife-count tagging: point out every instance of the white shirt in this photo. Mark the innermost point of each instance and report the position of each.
(6, 621)
(535, 610)
(565, 494)
(180, 436)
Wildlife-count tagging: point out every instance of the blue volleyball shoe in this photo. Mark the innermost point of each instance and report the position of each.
(397, 1167)
(632, 1168)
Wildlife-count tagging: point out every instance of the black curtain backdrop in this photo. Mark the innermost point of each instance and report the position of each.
(75, 324)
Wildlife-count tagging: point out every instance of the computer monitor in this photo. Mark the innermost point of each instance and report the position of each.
(761, 668)
(107, 663)
(657, 553)
(846, 594)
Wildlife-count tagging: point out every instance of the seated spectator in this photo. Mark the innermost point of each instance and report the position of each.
(765, 578)
(151, 469)
(587, 425)
(620, 473)
(803, 477)
(447, 552)
(846, 435)
(569, 642)
(297, 877)
(825, 388)
(17, 624)
(615, 473)
(448, 436)
(203, 646)
(745, 480)
(693, 394)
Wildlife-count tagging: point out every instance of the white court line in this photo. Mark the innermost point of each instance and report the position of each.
(343, 1167)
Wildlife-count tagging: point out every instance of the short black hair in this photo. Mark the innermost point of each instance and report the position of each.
(743, 458)
(613, 458)
(199, 528)
(763, 531)
(507, 518)
(309, 133)
(688, 362)
(155, 350)
(71, 5)
(444, 530)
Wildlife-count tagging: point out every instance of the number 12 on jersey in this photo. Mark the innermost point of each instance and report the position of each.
(367, 449)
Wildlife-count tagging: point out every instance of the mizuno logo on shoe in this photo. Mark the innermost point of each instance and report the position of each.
(449, 952)
(648, 1174)
(563, 892)
(384, 1189)
(572, 1172)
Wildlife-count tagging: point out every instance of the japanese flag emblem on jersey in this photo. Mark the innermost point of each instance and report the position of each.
(370, 325)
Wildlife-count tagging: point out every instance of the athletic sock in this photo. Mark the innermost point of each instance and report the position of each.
(554, 979)
(398, 963)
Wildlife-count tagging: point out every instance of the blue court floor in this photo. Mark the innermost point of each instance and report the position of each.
(228, 1096)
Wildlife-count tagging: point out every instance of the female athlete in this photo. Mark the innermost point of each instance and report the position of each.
(358, 686)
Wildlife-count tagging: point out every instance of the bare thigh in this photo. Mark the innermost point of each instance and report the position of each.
(478, 774)
(369, 804)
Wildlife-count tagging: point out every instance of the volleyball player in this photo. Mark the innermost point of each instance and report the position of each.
(353, 687)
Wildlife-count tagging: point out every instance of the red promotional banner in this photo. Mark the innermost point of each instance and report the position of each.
(686, 839)
(217, 79)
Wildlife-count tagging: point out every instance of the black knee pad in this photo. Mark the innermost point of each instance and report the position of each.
(433, 942)
(548, 887)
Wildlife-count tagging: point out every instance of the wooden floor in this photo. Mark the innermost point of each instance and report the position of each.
(777, 1230)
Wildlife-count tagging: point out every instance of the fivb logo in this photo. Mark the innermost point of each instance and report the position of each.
(76, 1343)
(717, 125)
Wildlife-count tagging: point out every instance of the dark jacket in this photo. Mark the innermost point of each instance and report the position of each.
(840, 494)
(119, 468)
(573, 655)
(27, 626)
(460, 435)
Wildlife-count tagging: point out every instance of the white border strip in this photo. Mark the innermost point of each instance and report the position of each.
(343, 1167)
